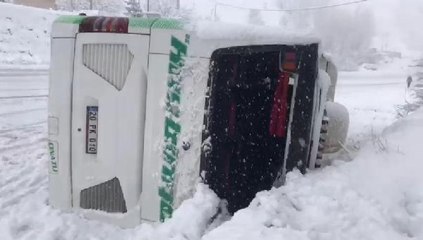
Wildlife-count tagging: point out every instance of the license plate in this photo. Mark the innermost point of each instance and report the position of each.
(92, 130)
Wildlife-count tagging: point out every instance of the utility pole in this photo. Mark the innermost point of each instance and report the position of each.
(91, 4)
(148, 5)
(178, 4)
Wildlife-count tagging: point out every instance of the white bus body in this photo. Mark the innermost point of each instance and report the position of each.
(126, 109)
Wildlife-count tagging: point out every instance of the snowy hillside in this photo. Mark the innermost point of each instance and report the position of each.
(24, 35)
(373, 190)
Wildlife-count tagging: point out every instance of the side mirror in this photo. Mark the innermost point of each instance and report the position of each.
(339, 121)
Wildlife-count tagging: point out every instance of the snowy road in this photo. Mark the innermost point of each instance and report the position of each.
(371, 98)
(375, 99)
(23, 115)
(23, 111)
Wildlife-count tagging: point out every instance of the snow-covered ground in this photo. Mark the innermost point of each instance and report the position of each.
(377, 195)
(374, 192)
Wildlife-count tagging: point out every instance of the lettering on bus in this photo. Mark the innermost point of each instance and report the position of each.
(172, 127)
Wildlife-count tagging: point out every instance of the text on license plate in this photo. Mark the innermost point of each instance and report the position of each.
(92, 130)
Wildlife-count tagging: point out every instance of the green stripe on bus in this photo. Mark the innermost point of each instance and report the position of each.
(163, 23)
(141, 22)
(70, 19)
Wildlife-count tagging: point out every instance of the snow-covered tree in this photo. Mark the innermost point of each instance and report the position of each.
(109, 7)
(71, 5)
(166, 8)
(133, 8)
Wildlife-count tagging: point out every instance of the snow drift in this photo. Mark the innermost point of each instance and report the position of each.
(379, 195)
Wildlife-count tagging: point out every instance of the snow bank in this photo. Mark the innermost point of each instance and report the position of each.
(24, 35)
(377, 196)
(191, 219)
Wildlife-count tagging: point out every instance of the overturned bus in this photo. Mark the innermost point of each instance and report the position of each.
(142, 109)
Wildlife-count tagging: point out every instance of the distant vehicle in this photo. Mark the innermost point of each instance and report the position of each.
(141, 110)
